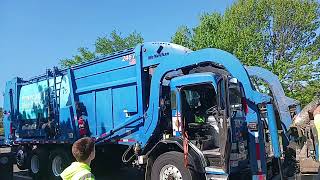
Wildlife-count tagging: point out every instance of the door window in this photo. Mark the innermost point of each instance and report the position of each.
(196, 100)
(199, 112)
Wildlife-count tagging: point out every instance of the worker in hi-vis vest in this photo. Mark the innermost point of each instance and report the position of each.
(84, 152)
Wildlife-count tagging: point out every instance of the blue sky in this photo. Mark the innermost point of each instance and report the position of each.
(34, 35)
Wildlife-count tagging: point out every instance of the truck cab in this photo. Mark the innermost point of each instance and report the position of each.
(202, 103)
(200, 114)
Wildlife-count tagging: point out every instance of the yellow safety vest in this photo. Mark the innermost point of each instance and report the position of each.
(77, 171)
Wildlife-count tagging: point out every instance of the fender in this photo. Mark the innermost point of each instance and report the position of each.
(176, 144)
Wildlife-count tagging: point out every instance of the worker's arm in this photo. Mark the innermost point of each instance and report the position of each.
(303, 117)
(316, 116)
(316, 113)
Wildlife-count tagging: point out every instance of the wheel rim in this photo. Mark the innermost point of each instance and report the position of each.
(20, 157)
(57, 166)
(35, 164)
(170, 172)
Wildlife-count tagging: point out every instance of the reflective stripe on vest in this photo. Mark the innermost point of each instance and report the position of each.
(83, 175)
(87, 176)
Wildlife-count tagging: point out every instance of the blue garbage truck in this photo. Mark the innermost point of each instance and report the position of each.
(177, 113)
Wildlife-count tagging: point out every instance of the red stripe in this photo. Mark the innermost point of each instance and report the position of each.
(103, 135)
(260, 177)
(258, 151)
(245, 105)
(258, 158)
(11, 130)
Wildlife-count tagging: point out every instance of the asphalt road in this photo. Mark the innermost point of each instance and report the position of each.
(122, 174)
(20, 175)
(133, 174)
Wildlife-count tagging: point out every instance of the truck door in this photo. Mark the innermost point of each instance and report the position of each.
(238, 127)
(201, 113)
(224, 120)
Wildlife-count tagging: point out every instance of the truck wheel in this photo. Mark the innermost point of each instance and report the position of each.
(38, 164)
(59, 159)
(169, 166)
(22, 158)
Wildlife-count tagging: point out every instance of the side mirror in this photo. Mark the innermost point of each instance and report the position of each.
(236, 107)
(233, 81)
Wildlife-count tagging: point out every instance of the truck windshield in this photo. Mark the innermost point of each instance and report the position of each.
(199, 109)
(196, 100)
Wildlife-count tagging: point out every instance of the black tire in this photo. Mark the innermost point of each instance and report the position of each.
(55, 169)
(38, 170)
(22, 157)
(175, 159)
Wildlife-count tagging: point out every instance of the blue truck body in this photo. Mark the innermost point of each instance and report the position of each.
(281, 101)
(285, 108)
(119, 98)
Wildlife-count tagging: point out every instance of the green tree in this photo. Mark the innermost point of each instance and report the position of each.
(83, 56)
(279, 35)
(183, 37)
(206, 34)
(103, 45)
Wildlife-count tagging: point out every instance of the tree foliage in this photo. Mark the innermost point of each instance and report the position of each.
(279, 35)
(183, 37)
(103, 45)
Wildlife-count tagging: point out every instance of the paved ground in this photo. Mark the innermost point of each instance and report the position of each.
(129, 173)
(123, 174)
(20, 175)
(306, 177)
